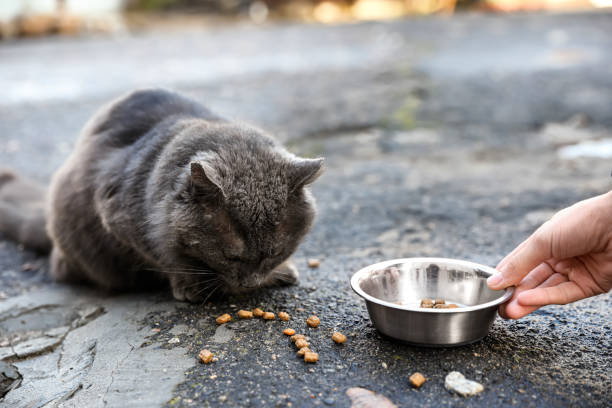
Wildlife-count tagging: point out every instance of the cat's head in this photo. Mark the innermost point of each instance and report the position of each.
(244, 209)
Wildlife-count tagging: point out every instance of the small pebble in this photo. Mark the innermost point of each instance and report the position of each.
(224, 318)
(269, 316)
(329, 401)
(289, 332)
(257, 312)
(384, 365)
(417, 380)
(313, 321)
(313, 263)
(174, 340)
(455, 381)
(206, 356)
(284, 316)
(245, 314)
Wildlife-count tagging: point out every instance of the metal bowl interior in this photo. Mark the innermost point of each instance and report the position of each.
(402, 283)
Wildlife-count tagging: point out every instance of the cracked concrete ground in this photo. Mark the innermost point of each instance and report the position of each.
(442, 138)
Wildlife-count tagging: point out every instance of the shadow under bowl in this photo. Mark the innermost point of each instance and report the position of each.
(393, 291)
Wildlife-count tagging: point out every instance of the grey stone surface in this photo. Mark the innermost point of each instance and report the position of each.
(99, 360)
(441, 139)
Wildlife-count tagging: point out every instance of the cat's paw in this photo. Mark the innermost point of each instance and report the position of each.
(187, 290)
(285, 274)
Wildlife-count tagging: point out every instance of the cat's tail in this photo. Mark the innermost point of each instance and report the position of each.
(22, 214)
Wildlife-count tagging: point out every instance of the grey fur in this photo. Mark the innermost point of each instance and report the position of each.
(158, 188)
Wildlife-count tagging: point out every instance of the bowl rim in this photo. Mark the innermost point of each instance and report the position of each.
(381, 265)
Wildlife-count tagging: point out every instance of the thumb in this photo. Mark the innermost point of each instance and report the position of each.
(531, 253)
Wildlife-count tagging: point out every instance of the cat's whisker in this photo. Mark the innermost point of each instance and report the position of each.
(179, 272)
(211, 293)
(198, 283)
(205, 287)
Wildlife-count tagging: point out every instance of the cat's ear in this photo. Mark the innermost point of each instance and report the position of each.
(205, 180)
(305, 171)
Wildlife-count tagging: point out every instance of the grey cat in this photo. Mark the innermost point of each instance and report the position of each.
(158, 189)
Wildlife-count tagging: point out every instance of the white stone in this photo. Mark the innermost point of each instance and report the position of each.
(455, 381)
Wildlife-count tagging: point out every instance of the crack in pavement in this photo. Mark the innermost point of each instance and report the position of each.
(112, 374)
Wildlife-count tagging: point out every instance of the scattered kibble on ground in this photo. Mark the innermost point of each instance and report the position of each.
(289, 332)
(338, 337)
(224, 318)
(206, 356)
(313, 321)
(257, 312)
(269, 316)
(417, 379)
(313, 263)
(299, 343)
(311, 357)
(302, 351)
(284, 316)
(245, 314)
(296, 337)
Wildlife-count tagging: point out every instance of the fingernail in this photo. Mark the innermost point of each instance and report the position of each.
(495, 280)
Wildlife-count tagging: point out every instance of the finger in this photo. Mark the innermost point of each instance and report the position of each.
(511, 254)
(518, 264)
(560, 294)
(535, 278)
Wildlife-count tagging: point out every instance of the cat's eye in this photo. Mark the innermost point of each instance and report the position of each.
(233, 256)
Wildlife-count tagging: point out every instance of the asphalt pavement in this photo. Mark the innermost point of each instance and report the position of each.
(442, 136)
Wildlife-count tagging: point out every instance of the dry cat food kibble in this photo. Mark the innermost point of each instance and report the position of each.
(313, 263)
(245, 314)
(437, 304)
(313, 321)
(296, 337)
(224, 318)
(269, 316)
(428, 303)
(452, 306)
(338, 337)
(302, 351)
(311, 357)
(417, 379)
(284, 316)
(206, 356)
(257, 312)
(289, 332)
(300, 343)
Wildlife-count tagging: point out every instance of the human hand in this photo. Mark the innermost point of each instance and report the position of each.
(567, 259)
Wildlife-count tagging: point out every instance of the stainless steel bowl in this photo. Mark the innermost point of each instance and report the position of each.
(393, 291)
